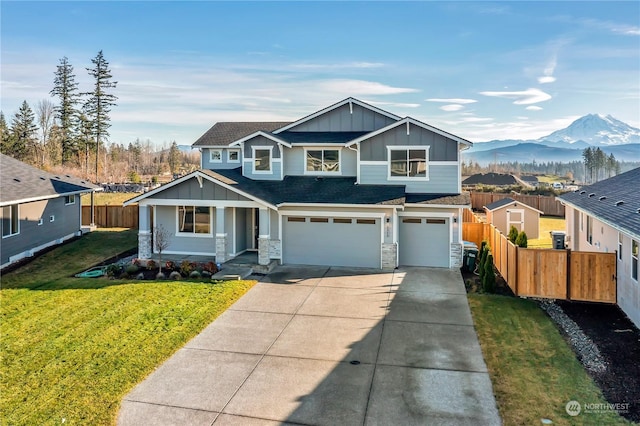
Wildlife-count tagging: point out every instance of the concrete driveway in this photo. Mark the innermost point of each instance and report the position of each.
(328, 346)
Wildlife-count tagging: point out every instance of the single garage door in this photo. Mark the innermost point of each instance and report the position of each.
(334, 241)
(424, 241)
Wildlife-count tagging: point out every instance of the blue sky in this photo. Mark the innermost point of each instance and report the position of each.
(479, 70)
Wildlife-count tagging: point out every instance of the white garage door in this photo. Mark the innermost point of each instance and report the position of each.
(334, 241)
(424, 241)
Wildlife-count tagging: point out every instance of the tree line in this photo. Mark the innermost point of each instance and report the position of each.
(72, 134)
(598, 165)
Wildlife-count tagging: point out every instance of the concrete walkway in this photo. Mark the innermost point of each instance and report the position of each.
(328, 346)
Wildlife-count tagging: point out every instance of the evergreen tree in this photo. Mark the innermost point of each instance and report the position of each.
(513, 234)
(99, 102)
(5, 135)
(174, 158)
(23, 133)
(587, 155)
(66, 89)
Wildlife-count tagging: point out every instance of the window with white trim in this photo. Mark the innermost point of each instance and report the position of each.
(215, 155)
(589, 229)
(69, 199)
(262, 159)
(408, 163)
(233, 156)
(194, 220)
(10, 220)
(322, 160)
(634, 260)
(619, 245)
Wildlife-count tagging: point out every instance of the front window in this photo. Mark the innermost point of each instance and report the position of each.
(408, 163)
(194, 220)
(262, 160)
(634, 260)
(70, 199)
(10, 221)
(234, 155)
(215, 155)
(590, 229)
(323, 160)
(619, 245)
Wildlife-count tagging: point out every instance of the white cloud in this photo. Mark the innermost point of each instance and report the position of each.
(392, 104)
(452, 107)
(533, 108)
(546, 79)
(452, 100)
(523, 97)
(549, 70)
(361, 87)
(476, 119)
(333, 66)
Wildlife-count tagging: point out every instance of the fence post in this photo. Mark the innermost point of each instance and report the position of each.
(568, 274)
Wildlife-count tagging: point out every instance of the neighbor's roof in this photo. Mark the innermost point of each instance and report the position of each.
(529, 178)
(463, 199)
(23, 183)
(615, 201)
(223, 133)
(505, 202)
(490, 179)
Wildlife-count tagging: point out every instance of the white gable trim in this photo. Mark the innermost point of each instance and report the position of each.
(334, 106)
(261, 133)
(518, 203)
(407, 121)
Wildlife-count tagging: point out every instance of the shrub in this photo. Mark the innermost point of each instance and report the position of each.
(113, 270)
(513, 234)
(151, 265)
(175, 276)
(521, 241)
(186, 267)
(489, 280)
(136, 262)
(170, 265)
(140, 276)
(483, 257)
(131, 269)
(160, 276)
(210, 267)
(195, 274)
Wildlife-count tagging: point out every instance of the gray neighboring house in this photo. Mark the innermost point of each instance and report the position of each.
(605, 217)
(349, 185)
(39, 209)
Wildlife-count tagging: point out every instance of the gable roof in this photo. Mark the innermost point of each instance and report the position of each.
(334, 106)
(319, 137)
(269, 136)
(22, 183)
(490, 179)
(225, 132)
(507, 201)
(602, 200)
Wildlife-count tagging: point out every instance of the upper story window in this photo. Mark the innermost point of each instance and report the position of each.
(10, 221)
(589, 229)
(634, 260)
(215, 155)
(408, 162)
(69, 199)
(233, 156)
(262, 159)
(322, 161)
(194, 220)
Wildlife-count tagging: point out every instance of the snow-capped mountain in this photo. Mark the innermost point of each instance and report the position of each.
(596, 129)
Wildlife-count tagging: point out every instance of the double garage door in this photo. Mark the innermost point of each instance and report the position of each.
(424, 241)
(334, 241)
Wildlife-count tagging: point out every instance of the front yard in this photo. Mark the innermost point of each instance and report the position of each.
(72, 348)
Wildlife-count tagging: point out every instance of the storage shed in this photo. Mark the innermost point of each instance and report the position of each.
(508, 212)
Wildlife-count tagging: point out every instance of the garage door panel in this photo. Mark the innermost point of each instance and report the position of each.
(331, 241)
(424, 241)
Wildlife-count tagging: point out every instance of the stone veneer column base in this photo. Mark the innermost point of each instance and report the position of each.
(221, 249)
(389, 255)
(144, 245)
(456, 255)
(263, 251)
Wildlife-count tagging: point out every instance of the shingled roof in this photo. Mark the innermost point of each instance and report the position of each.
(615, 201)
(490, 179)
(223, 133)
(22, 183)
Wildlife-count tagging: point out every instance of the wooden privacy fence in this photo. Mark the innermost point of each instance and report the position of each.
(546, 273)
(112, 216)
(547, 205)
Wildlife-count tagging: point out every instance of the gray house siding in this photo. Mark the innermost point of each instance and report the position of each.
(275, 173)
(66, 222)
(190, 190)
(225, 164)
(342, 120)
(443, 178)
(440, 147)
(241, 229)
(276, 159)
(260, 141)
(295, 162)
(167, 216)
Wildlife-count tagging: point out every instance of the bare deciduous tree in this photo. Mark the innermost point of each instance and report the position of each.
(45, 114)
(161, 240)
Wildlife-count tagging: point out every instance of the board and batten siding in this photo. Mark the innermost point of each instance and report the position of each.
(276, 159)
(295, 161)
(190, 190)
(345, 119)
(443, 178)
(440, 147)
(225, 163)
(167, 217)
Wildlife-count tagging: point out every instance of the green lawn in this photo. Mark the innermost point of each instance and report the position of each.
(111, 198)
(533, 370)
(72, 348)
(547, 223)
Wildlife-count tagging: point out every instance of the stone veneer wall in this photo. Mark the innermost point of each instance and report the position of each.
(144, 245)
(263, 251)
(275, 249)
(456, 255)
(221, 249)
(389, 255)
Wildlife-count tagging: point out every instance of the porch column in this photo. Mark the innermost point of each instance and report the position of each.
(93, 209)
(144, 232)
(221, 236)
(264, 235)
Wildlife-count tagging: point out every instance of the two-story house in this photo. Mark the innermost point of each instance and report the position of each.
(349, 185)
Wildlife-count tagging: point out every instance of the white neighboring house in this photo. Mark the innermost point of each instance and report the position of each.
(605, 217)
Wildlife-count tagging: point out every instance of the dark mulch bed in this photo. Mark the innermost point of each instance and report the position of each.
(619, 343)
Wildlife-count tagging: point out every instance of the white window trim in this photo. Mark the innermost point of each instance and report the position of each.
(211, 159)
(73, 199)
(253, 162)
(406, 148)
(620, 245)
(314, 173)
(193, 234)
(11, 220)
(637, 258)
(229, 160)
(52, 218)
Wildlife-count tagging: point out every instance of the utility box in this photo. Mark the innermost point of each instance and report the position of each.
(470, 255)
(557, 238)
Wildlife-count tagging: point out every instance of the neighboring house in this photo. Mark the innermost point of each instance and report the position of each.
(605, 217)
(39, 209)
(349, 185)
(530, 180)
(493, 179)
(505, 213)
